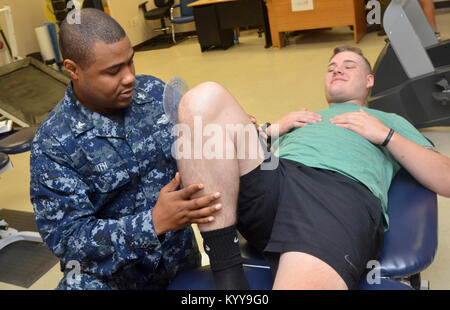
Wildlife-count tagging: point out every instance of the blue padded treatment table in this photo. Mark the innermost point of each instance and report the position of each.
(260, 278)
(13, 143)
(410, 243)
(18, 141)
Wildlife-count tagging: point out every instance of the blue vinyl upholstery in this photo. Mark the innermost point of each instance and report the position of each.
(4, 160)
(186, 13)
(260, 278)
(411, 242)
(18, 142)
(385, 284)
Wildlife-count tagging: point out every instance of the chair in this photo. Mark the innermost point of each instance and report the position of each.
(186, 15)
(410, 245)
(161, 11)
(5, 164)
(17, 142)
(260, 278)
(96, 4)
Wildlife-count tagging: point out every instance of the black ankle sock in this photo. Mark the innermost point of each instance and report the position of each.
(232, 278)
(222, 247)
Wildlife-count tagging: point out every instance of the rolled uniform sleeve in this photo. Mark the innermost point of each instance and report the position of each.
(68, 223)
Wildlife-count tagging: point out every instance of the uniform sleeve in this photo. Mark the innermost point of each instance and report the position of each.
(67, 219)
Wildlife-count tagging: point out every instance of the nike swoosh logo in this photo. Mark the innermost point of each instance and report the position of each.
(347, 259)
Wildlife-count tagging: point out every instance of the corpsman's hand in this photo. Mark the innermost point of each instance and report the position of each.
(175, 209)
(364, 124)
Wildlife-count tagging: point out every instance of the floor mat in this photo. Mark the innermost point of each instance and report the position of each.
(160, 42)
(28, 93)
(20, 220)
(23, 263)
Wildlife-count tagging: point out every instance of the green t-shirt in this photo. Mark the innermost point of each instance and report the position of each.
(327, 146)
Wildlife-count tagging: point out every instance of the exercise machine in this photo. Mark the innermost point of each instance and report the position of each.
(412, 73)
(18, 142)
(11, 43)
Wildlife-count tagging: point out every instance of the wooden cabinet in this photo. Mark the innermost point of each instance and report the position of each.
(326, 13)
(209, 31)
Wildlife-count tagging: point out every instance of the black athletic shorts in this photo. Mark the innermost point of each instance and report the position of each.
(296, 208)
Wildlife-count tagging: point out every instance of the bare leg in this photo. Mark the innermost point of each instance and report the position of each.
(211, 104)
(429, 10)
(225, 146)
(302, 271)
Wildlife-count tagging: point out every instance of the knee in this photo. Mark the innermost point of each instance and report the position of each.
(205, 100)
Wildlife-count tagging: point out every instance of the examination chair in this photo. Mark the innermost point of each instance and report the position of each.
(16, 142)
(186, 15)
(161, 12)
(409, 247)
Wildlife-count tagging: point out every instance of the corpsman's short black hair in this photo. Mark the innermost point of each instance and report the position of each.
(77, 40)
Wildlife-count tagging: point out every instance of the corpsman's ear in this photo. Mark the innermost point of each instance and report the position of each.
(72, 68)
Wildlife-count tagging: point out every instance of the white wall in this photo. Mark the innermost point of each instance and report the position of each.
(139, 30)
(27, 15)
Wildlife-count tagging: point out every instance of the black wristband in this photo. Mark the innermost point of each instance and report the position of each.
(264, 129)
(388, 138)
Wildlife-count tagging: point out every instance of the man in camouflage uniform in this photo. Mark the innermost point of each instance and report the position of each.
(99, 167)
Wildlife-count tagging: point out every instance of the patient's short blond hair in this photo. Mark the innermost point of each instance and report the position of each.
(347, 48)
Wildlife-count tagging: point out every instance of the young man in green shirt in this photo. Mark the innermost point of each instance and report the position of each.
(319, 214)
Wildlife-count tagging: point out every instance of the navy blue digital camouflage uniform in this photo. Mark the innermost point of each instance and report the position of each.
(94, 183)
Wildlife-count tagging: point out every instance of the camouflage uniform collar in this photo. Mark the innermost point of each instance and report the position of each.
(87, 119)
(80, 123)
(105, 127)
(142, 93)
